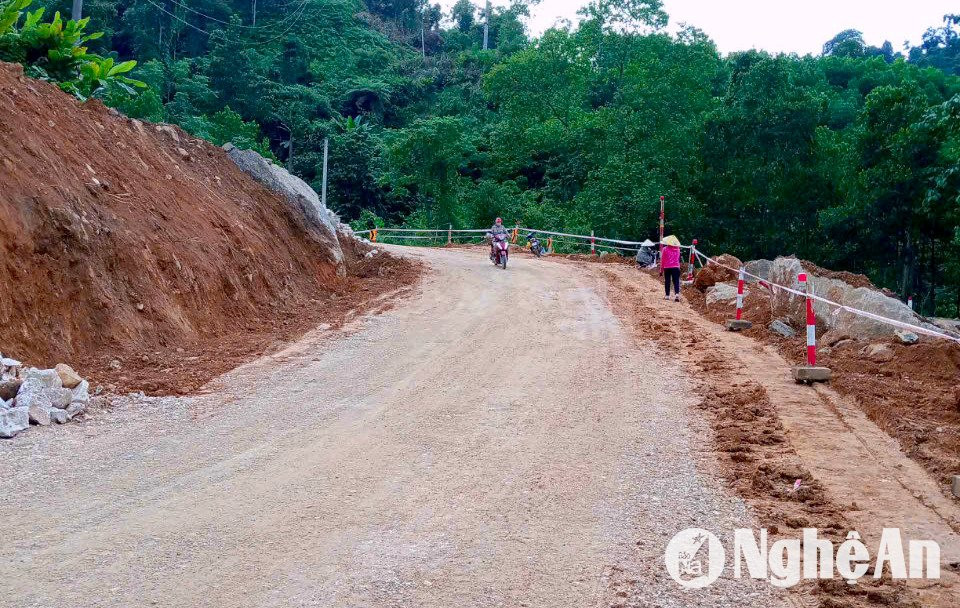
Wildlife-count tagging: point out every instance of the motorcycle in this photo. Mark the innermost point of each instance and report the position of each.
(535, 245)
(499, 250)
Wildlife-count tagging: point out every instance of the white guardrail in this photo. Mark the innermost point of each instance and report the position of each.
(622, 245)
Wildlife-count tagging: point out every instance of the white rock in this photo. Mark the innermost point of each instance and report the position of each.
(13, 421)
(68, 377)
(760, 268)
(723, 293)
(47, 377)
(59, 416)
(33, 392)
(60, 398)
(778, 326)
(77, 407)
(907, 337)
(793, 307)
(323, 223)
(81, 394)
(879, 353)
(39, 414)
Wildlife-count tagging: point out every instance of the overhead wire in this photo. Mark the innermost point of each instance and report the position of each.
(293, 19)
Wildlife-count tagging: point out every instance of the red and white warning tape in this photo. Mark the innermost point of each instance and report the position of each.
(838, 307)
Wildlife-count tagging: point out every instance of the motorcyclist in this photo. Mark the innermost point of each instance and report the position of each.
(498, 228)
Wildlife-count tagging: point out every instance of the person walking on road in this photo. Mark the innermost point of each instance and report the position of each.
(670, 267)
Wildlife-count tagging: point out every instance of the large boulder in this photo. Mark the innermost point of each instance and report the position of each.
(758, 268)
(34, 392)
(320, 221)
(68, 377)
(952, 326)
(711, 274)
(45, 378)
(722, 293)
(786, 270)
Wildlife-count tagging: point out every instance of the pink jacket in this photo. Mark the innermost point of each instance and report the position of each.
(671, 257)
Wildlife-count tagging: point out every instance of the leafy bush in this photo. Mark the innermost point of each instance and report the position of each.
(57, 51)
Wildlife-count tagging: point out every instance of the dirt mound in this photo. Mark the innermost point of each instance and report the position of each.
(711, 274)
(142, 254)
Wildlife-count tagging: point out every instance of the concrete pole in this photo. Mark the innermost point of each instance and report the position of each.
(486, 28)
(326, 152)
(77, 12)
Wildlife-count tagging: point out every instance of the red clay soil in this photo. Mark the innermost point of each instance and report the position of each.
(915, 397)
(128, 242)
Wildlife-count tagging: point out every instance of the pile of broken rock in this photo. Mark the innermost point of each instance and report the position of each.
(39, 396)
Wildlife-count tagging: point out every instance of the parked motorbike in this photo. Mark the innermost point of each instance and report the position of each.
(535, 246)
(499, 251)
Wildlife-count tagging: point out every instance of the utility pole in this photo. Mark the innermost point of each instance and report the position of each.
(254, 12)
(323, 190)
(486, 28)
(77, 13)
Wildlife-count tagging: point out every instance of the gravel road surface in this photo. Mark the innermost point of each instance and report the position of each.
(494, 440)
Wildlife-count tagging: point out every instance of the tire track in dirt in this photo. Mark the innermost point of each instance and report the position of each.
(496, 439)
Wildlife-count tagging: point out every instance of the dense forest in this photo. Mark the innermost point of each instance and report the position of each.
(850, 159)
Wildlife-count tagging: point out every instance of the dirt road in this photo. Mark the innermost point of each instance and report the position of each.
(497, 439)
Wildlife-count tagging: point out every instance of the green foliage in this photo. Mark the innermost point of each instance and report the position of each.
(10, 12)
(57, 50)
(228, 126)
(850, 159)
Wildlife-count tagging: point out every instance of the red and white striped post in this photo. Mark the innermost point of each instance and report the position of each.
(693, 253)
(740, 294)
(811, 323)
(910, 301)
(810, 373)
(660, 244)
(593, 243)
